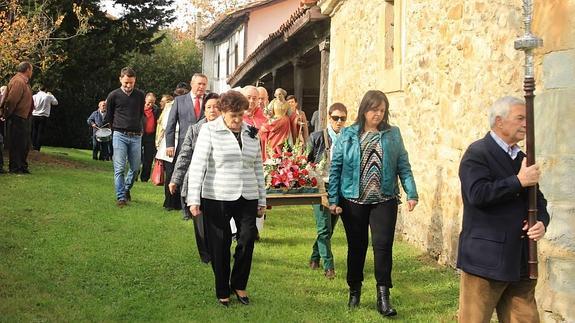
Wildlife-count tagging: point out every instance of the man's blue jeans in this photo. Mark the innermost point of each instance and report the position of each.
(126, 147)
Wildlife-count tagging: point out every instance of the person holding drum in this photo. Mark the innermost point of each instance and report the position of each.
(101, 136)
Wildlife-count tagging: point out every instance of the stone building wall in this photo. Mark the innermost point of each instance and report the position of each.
(452, 59)
(554, 21)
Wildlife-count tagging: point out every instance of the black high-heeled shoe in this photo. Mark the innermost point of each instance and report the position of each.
(225, 303)
(244, 300)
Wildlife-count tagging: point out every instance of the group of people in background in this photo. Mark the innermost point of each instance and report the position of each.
(193, 141)
(212, 147)
(213, 154)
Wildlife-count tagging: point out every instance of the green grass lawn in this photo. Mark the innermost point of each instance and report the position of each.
(68, 254)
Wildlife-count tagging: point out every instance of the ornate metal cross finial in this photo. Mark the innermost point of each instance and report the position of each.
(528, 42)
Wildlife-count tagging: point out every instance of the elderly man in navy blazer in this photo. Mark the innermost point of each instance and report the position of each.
(493, 244)
(186, 111)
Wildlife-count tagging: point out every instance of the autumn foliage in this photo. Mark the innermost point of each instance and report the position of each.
(26, 35)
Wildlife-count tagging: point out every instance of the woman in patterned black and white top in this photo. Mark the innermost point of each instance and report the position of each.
(226, 173)
(368, 158)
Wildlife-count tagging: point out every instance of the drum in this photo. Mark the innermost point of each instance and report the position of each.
(103, 134)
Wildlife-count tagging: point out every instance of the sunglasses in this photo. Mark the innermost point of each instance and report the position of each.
(338, 118)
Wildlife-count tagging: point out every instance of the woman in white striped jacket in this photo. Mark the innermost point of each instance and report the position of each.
(226, 174)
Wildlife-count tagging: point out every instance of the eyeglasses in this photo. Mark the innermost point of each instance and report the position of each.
(338, 118)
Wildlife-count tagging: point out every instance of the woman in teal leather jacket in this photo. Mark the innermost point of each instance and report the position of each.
(368, 158)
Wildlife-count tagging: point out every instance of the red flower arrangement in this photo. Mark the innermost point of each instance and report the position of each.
(288, 171)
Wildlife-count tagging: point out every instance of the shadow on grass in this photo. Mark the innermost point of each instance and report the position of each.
(67, 158)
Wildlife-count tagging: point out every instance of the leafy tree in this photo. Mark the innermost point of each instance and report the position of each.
(93, 61)
(84, 68)
(28, 33)
(141, 21)
(173, 60)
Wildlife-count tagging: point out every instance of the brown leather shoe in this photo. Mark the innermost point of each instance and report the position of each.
(121, 203)
(329, 274)
(313, 264)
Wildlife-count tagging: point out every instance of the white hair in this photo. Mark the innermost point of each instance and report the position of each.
(263, 90)
(501, 107)
(198, 75)
(249, 88)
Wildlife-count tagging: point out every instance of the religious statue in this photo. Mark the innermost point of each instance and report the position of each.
(280, 107)
(277, 130)
(278, 103)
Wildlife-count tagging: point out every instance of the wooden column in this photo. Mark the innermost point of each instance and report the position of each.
(323, 82)
(275, 82)
(298, 80)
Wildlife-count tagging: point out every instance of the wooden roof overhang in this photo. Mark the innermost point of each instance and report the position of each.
(226, 26)
(304, 30)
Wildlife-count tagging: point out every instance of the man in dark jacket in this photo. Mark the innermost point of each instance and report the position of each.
(493, 244)
(319, 147)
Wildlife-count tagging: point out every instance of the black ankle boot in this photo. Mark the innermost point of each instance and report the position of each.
(354, 297)
(383, 304)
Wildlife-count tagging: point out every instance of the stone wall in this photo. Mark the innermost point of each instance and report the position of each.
(554, 21)
(452, 59)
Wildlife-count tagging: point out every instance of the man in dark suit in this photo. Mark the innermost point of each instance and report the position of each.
(493, 244)
(186, 111)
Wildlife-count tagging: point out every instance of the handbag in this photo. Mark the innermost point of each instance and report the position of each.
(158, 172)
